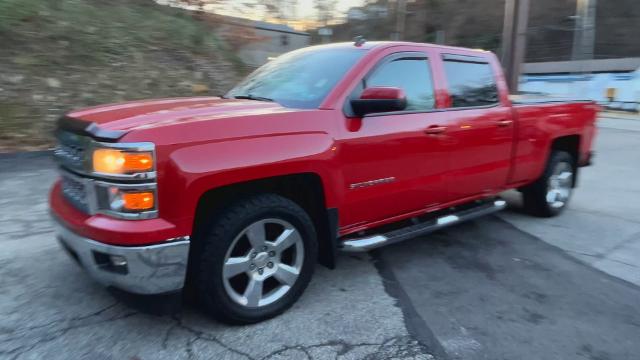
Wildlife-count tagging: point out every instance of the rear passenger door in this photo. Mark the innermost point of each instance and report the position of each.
(480, 128)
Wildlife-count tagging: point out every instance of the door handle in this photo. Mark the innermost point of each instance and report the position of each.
(504, 122)
(435, 129)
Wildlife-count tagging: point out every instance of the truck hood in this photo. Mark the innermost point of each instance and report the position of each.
(135, 115)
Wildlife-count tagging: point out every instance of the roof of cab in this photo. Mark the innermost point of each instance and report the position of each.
(368, 45)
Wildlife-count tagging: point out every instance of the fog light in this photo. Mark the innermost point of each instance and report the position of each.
(131, 201)
(117, 260)
(138, 201)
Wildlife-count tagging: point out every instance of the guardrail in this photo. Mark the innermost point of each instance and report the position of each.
(629, 106)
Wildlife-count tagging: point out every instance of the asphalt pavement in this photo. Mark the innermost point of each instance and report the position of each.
(601, 227)
(50, 309)
(507, 286)
(490, 291)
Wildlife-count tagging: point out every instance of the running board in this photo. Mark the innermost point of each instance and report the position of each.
(375, 241)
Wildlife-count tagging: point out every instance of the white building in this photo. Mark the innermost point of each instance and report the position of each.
(258, 40)
(356, 13)
(367, 12)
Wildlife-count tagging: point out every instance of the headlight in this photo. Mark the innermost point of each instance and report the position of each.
(129, 188)
(115, 179)
(115, 161)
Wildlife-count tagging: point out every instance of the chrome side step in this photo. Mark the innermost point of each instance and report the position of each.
(375, 241)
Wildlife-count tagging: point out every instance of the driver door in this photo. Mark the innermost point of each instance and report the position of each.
(393, 165)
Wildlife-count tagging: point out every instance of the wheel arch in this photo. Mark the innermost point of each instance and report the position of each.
(305, 189)
(571, 145)
(568, 143)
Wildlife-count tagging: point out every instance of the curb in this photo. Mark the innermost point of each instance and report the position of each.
(618, 115)
(36, 154)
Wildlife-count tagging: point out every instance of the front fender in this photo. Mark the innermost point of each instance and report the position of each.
(202, 167)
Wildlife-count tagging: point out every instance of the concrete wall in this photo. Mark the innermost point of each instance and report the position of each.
(556, 79)
(582, 66)
(592, 86)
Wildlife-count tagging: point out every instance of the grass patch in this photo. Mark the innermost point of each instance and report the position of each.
(59, 55)
(99, 31)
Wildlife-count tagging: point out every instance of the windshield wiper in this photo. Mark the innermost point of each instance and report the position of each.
(253, 97)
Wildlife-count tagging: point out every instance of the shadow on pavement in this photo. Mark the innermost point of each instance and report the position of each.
(159, 305)
(487, 290)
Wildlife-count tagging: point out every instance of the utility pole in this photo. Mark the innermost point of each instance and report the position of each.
(441, 37)
(584, 36)
(401, 15)
(514, 39)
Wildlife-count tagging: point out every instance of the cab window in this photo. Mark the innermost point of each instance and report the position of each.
(409, 74)
(299, 79)
(470, 82)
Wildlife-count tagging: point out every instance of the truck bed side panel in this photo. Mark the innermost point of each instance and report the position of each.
(539, 124)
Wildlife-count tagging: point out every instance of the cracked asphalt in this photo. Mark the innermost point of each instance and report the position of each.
(502, 287)
(50, 309)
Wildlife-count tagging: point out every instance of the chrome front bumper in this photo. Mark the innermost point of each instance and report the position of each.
(153, 269)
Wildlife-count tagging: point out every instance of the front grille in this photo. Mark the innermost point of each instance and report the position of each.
(75, 192)
(71, 150)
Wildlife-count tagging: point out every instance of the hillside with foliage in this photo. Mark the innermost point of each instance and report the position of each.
(63, 54)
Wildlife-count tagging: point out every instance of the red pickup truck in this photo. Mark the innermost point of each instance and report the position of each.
(341, 147)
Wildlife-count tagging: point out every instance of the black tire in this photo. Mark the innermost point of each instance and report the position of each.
(535, 195)
(221, 234)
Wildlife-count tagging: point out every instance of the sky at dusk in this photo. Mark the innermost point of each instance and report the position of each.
(303, 16)
(306, 10)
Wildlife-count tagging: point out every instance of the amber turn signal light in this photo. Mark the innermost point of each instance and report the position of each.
(138, 201)
(111, 161)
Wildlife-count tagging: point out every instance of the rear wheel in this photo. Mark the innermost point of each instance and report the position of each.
(550, 194)
(257, 260)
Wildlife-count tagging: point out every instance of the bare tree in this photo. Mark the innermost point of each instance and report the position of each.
(196, 4)
(212, 5)
(276, 9)
(325, 10)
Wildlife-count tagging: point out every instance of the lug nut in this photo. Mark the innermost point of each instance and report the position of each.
(253, 255)
(264, 248)
(272, 253)
(252, 266)
(269, 264)
(260, 271)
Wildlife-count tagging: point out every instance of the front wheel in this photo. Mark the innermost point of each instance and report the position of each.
(550, 194)
(257, 260)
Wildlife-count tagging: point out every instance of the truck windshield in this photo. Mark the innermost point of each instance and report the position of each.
(299, 79)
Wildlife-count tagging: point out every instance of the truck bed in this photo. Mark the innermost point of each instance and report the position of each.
(534, 98)
(541, 119)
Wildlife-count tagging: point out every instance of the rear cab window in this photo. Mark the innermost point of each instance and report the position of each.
(470, 81)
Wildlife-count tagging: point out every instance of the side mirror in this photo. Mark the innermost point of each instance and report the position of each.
(379, 99)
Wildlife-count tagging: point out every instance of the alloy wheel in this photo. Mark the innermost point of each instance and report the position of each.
(559, 185)
(263, 262)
